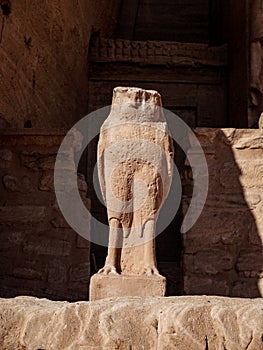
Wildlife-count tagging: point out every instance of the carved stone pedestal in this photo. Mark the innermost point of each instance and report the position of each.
(105, 286)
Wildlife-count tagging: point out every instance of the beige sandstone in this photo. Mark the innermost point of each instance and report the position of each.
(104, 286)
(223, 251)
(185, 323)
(43, 60)
(135, 170)
(260, 122)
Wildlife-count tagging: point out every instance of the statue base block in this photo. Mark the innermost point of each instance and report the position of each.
(106, 286)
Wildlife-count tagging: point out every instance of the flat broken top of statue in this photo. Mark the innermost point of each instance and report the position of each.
(135, 105)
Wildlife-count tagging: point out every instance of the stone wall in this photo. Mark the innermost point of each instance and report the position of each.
(223, 250)
(40, 254)
(43, 59)
(44, 86)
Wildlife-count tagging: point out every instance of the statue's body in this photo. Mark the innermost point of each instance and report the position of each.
(135, 157)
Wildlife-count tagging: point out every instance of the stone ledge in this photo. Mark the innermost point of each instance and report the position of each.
(187, 322)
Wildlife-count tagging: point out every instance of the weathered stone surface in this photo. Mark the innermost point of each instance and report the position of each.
(82, 184)
(5, 158)
(213, 261)
(56, 271)
(43, 245)
(104, 286)
(43, 66)
(59, 222)
(250, 261)
(135, 157)
(157, 52)
(202, 284)
(25, 214)
(46, 182)
(38, 161)
(82, 243)
(192, 323)
(27, 273)
(79, 272)
(250, 285)
(260, 122)
(37, 258)
(17, 183)
(223, 250)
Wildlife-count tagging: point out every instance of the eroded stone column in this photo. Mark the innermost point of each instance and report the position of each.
(135, 159)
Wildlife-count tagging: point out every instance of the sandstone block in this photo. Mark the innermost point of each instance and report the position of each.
(17, 183)
(105, 286)
(42, 245)
(28, 273)
(82, 243)
(248, 139)
(213, 261)
(56, 271)
(36, 160)
(251, 260)
(250, 285)
(59, 222)
(46, 182)
(22, 214)
(205, 285)
(80, 272)
(260, 122)
(6, 155)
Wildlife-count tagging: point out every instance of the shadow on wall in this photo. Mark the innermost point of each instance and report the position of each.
(223, 250)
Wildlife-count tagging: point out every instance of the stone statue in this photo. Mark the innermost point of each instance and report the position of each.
(135, 164)
(135, 124)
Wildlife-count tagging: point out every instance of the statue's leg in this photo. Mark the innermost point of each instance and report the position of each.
(149, 259)
(112, 264)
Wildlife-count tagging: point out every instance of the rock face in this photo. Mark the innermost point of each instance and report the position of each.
(192, 323)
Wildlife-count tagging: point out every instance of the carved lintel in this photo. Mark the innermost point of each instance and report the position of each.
(157, 53)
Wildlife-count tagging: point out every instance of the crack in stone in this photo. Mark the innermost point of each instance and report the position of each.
(206, 343)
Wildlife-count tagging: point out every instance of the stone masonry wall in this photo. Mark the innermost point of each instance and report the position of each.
(43, 59)
(223, 250)
(44, 86)
(40, 254)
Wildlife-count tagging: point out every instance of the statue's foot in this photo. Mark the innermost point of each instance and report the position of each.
(151, 270)
(108, 269)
